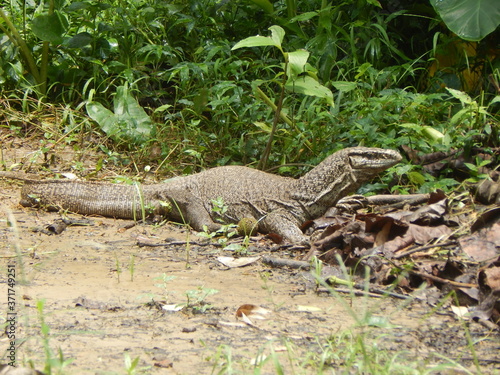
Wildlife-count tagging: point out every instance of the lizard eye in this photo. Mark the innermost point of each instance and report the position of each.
(357, 161)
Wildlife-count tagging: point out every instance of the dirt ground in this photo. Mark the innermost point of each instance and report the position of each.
(104, 295)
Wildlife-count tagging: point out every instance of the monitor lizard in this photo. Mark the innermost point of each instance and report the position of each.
(279, 204)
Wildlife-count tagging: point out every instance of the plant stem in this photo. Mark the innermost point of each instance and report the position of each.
(277, 113)
(17, 39)
(283, 116)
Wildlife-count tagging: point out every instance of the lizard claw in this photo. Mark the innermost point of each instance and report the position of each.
(352, 203)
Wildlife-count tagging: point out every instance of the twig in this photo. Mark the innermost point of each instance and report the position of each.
(490, 325)
(410, 199)
(288, 247)
(280, 262)
(361, 287)
(356, 292)
(440, 280)
(422, 248)
(148, 244)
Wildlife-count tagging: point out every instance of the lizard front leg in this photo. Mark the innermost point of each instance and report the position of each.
(285, 224)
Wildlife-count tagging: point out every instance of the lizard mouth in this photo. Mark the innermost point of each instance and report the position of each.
(374, 159)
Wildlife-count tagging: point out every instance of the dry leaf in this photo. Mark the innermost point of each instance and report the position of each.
(430, 214)
(258, 360)
(247, 320)
(489, 278)
(173, 307)
(237, 262)
(254, 311)
(460, 311)
(483, 244)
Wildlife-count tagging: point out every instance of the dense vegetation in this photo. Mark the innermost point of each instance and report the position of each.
(162, 78)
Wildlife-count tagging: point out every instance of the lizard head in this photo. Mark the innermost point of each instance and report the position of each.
(340, 174)
(367, 162)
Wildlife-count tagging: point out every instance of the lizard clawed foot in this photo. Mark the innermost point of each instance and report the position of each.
(352, 203)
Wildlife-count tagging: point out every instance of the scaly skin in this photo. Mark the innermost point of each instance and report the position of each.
(280, 204)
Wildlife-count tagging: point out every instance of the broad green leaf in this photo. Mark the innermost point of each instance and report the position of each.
(103, 116)
(163, 108)
(496, 99)
(80, 40)
(457, 117)
(265, 5)
(276, 38)
(469, 19)
(304, 17)
(296, 63)
(277, 34)
(374, 2)
(255, 41)
(78, 5)
(410, 125)
(131, 114)
(460, 95)
(344, 86)
(50, 28)
(425, 130)
(309, 86)
(263, 126)
(129, 123)
(362, 70)
(416, 178)
(472, 167)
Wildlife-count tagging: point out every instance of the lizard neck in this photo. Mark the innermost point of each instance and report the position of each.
(324, 185)
(338, 175)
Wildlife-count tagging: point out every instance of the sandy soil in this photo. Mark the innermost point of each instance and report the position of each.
(104, 295)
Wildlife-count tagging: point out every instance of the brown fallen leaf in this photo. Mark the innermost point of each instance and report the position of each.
(486, 219)
(489, 283)
(254, 311)
(383, 235)
(430, 214)
(232, 262)
(489, 277)
(424, 234)
(484, 243)
(487, 192)
(415, 234)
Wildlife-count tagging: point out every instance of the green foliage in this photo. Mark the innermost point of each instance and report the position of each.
(129, 124)
(202, 100)
(219, 208)
(475, 170)
(298, 77)
(196, 299)
(54, 364)
(469, 19)
(165, 280)
(131, 366)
